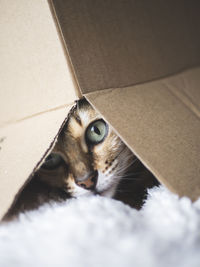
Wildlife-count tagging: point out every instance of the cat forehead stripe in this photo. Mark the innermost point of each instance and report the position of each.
(77, 118)
(84, 116)
(87, 116)
(75, 127)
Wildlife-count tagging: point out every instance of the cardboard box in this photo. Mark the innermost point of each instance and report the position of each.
(137, 62)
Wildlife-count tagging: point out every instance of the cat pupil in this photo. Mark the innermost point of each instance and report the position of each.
(96, 130)
(49, 158)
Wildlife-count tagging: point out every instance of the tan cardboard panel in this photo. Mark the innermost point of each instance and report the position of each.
(22, 145)
(187, 87)
(160, 127)
(34, 76)
(119, 43)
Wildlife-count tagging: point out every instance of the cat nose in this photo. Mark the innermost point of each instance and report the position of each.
(89, 181)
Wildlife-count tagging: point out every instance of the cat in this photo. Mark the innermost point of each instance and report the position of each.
(88, 159)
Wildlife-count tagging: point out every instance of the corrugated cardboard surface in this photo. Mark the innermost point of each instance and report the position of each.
(187, 88)
(33, 72)
(161, 124)
(119, 43)
(22, 146)
(115, 45)
(36, 91)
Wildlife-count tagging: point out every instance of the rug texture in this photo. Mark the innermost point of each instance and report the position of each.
(97, 231)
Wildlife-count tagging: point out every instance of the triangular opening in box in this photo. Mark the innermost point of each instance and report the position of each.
(48, 180)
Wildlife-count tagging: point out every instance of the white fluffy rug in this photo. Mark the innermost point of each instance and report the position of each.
(97, 231)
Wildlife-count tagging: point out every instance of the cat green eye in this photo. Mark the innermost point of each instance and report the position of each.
(96, 132)
(52, 161)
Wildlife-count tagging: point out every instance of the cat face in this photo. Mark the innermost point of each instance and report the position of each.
(88, 158)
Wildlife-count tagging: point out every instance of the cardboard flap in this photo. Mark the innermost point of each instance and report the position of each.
(116, 44)
(22, 146)
(34, 74)
(187, 88)
(37, 91)
(161, 126)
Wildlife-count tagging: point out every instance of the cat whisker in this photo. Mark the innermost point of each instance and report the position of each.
(132, 178)
(127, 192)
(129, 175)
(124, 149)
(136, 178)
(130, 163)
(134, 173)
(122, 169)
